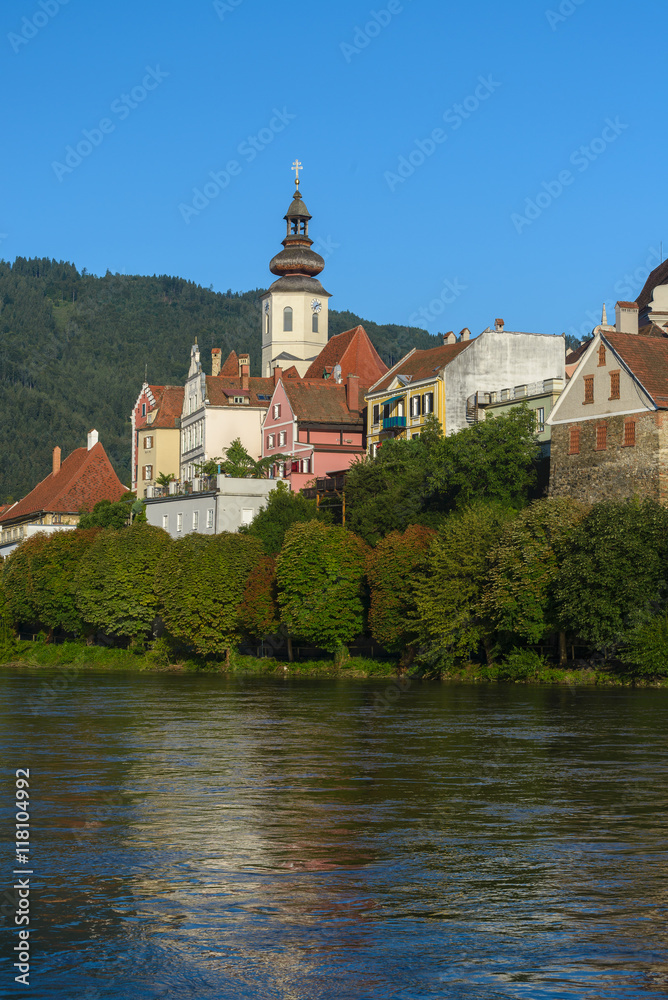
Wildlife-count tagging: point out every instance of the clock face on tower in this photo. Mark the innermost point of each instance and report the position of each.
(316, 305)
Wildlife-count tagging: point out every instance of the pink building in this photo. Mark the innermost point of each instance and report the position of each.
(318, 424)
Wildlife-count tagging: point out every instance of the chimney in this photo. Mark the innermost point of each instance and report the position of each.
(56, 461)
(449, 338)
(244, 370)
(216, 360)
(626, 317)
(353, 392)
(499, 325)
(465, 334)
(278, 374)
(93, 438)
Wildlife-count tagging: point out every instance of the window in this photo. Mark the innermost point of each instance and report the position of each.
(373, 450)
(589, 389)
(148, 443)
(209, 518)
(287, 319)
(191, 404)
(614, 385)
(540, 419)
(306, 466)
(376, 414)
(428, 403)
(574, 444)
(143, 409)
(386, 411)
(240, 399)
(165, 521)
(601, 356)
(282, 438)
(281, 470)
(277, 410)
(415, 406)
(148, 473)
(195, 520)
(601, 437)
(179, 522)
(57, 519)
(629, 434)
(314, 323)
(271, 440)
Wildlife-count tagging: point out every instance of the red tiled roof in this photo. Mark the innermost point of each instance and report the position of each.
(220, 389)
(628, 305)
(291, 372)
(647, 358)
(5, 507)
(169, 408)
(231, 366)
(423, 364)
(322, 402)
(354, 352)
(84, 478)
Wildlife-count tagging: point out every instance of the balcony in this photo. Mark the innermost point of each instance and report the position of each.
(394, 423)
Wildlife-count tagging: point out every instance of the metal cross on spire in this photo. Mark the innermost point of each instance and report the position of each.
(297, 166)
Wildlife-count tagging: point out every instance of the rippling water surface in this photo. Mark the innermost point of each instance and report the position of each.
(202, 837)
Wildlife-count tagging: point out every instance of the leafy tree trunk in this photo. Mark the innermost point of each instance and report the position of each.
(290, 656)
(340, 656)
(563, 652)
(488, 651)
(406, 658)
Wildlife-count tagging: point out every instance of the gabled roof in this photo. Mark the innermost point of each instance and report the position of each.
(84, 478)
(354, 352)
(169, 407)
(291, 372)
(220, 390)
(321, 402)
(422, 364)
(647, 359)
(231, 366)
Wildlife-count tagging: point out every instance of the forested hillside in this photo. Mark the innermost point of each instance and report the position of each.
(74, 348)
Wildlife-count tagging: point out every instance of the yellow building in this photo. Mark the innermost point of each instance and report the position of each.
(156, 435)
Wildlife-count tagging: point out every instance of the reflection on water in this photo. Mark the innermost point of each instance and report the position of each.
(203, 837)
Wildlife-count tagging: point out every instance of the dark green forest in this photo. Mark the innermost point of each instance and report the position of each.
(74, 348)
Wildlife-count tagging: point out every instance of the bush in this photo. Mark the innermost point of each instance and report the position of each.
(645, 652)
(520, 665)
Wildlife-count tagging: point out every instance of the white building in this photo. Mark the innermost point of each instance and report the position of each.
(227, 506)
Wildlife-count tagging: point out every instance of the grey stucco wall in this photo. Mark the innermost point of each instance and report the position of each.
(236, 502)
(495, 360)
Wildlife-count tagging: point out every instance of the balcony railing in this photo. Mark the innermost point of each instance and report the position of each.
(393, 423)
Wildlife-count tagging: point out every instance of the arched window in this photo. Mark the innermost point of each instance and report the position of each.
(287, 319)
(314, 323)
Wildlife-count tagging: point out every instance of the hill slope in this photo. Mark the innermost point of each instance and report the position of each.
(74, 348)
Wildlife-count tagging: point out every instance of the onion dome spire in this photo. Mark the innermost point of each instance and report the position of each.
(297, 257)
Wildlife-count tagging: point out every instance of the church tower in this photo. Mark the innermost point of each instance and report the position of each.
(294, 310)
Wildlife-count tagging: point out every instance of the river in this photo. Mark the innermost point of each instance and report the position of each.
(200, 836)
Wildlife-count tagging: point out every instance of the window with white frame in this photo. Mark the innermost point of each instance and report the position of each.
(277, 410)
(282, 438)
(280, 468)
(271, 440)
(179, 522)
(306, 466)
(246, 515)
(376, 413)
(148, 443)
(148, 473)
(165, 521)
(428, 403)
(195, 520)
(415, 406)
(209, 518)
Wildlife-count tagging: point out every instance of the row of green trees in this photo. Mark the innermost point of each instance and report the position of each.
(489, 580)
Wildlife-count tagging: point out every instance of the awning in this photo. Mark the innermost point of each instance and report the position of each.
(394, 399)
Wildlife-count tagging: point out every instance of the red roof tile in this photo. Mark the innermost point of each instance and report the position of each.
(354, 352)
(422, 364)
(231, 366)
(647, 358)
(169, 406)
(84, 478)
(628, 305)
(220, 389)
(322, 402)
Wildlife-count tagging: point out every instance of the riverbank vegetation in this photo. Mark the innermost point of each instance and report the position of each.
(464, 574)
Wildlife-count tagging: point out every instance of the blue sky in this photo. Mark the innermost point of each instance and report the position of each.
(461, 162)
